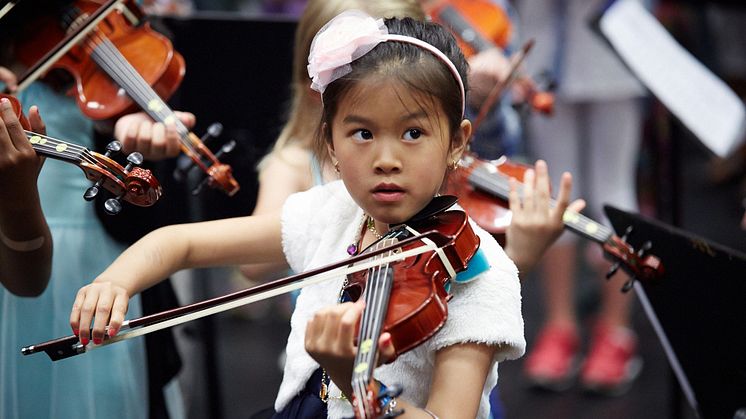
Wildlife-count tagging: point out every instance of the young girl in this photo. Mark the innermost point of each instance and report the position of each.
(392, 126)
(291, 165)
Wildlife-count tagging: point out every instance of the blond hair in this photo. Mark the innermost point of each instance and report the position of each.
(305, 110)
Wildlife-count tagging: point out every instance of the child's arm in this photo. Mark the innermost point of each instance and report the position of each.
(282, 173)
(536, 224)
(459, 374)
(165, 251)
(25, 240)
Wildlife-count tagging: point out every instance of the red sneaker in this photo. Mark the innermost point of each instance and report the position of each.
(612, 363)
(553, 363)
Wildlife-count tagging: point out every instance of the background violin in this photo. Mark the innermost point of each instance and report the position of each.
(483, 189)
(130, 184)
(479, 25)
(119, 64)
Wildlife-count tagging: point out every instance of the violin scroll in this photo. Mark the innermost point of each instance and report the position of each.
(130, 184)
(639, 264)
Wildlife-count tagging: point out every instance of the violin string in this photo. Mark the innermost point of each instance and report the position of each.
(71, 151)
(498, 184)
(136, 85)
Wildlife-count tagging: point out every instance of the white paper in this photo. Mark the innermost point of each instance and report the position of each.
(700, 100)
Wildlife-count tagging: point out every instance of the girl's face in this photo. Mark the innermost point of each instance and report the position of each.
(393, 148)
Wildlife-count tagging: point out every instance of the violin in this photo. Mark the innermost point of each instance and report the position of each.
(412, 249)
(480, 25)
(407, 299)
(483, 190)
(131, 184)
(119, 65)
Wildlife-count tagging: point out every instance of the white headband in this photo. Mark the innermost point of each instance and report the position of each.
(349, 36)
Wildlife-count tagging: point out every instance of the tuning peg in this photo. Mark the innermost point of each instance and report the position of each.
(113, 148)
(133, 159)
(628, 285)
(91, 193)
(226, 148)
(113, 206)
(627, 233)
(612, 270)
(213, 131)
(644, 249)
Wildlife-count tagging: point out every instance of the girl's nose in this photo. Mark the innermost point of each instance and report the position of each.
(388, 158)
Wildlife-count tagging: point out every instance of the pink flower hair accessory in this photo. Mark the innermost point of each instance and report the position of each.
(349, 36)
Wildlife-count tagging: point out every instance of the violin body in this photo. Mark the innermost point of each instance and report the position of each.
(486, 209)
(119, 67)
(477, 24)
(417, 308)
(98, 96)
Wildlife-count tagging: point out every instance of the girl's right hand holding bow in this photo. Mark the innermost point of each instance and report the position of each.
(105, 304)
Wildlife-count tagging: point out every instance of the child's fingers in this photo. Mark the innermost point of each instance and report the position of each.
(118, 310)
(37, 124)
(529, 179)
(87, 310)
(514, 198)
(563, 198)
(577, 205)
(187, 118)
(542, 187)
(386, 347)
(348, 326)
(13, 125)
(158, 141)
(102, 313)
(75, 312)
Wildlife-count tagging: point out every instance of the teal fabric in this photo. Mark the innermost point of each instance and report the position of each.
(108, 382)
(476, 266)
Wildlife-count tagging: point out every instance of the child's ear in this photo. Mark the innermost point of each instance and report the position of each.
(461, 139)
(329, 143)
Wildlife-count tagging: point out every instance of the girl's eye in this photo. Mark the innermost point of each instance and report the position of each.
(362, 134)
(412, 134)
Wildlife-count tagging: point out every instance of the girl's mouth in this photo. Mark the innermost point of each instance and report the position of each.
(388, 192)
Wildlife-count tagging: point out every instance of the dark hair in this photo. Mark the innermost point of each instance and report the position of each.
(413, 66)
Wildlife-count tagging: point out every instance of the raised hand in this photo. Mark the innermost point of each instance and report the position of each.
(536, 223)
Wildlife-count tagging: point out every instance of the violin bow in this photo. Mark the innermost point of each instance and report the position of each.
(497, 91)
(69, 346)
(9, 4)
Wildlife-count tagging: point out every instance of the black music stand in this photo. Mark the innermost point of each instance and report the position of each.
(698, 302)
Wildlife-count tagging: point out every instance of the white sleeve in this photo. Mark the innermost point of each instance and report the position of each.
(486, 309)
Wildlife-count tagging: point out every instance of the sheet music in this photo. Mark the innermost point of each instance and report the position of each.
(700, 100)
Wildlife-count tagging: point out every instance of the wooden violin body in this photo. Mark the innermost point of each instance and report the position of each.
(480, 25)
(98, 95)
(487, 209)
(407, 299)
(417, 307)
(483, 188)
(119, 64)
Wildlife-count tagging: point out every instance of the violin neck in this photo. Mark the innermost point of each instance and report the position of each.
(106, 55)
(58, 149)
(496, 184)
(380, 282)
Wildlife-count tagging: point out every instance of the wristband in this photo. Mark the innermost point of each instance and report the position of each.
(22, 245)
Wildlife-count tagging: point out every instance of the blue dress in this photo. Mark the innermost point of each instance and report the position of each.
(107, 382)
